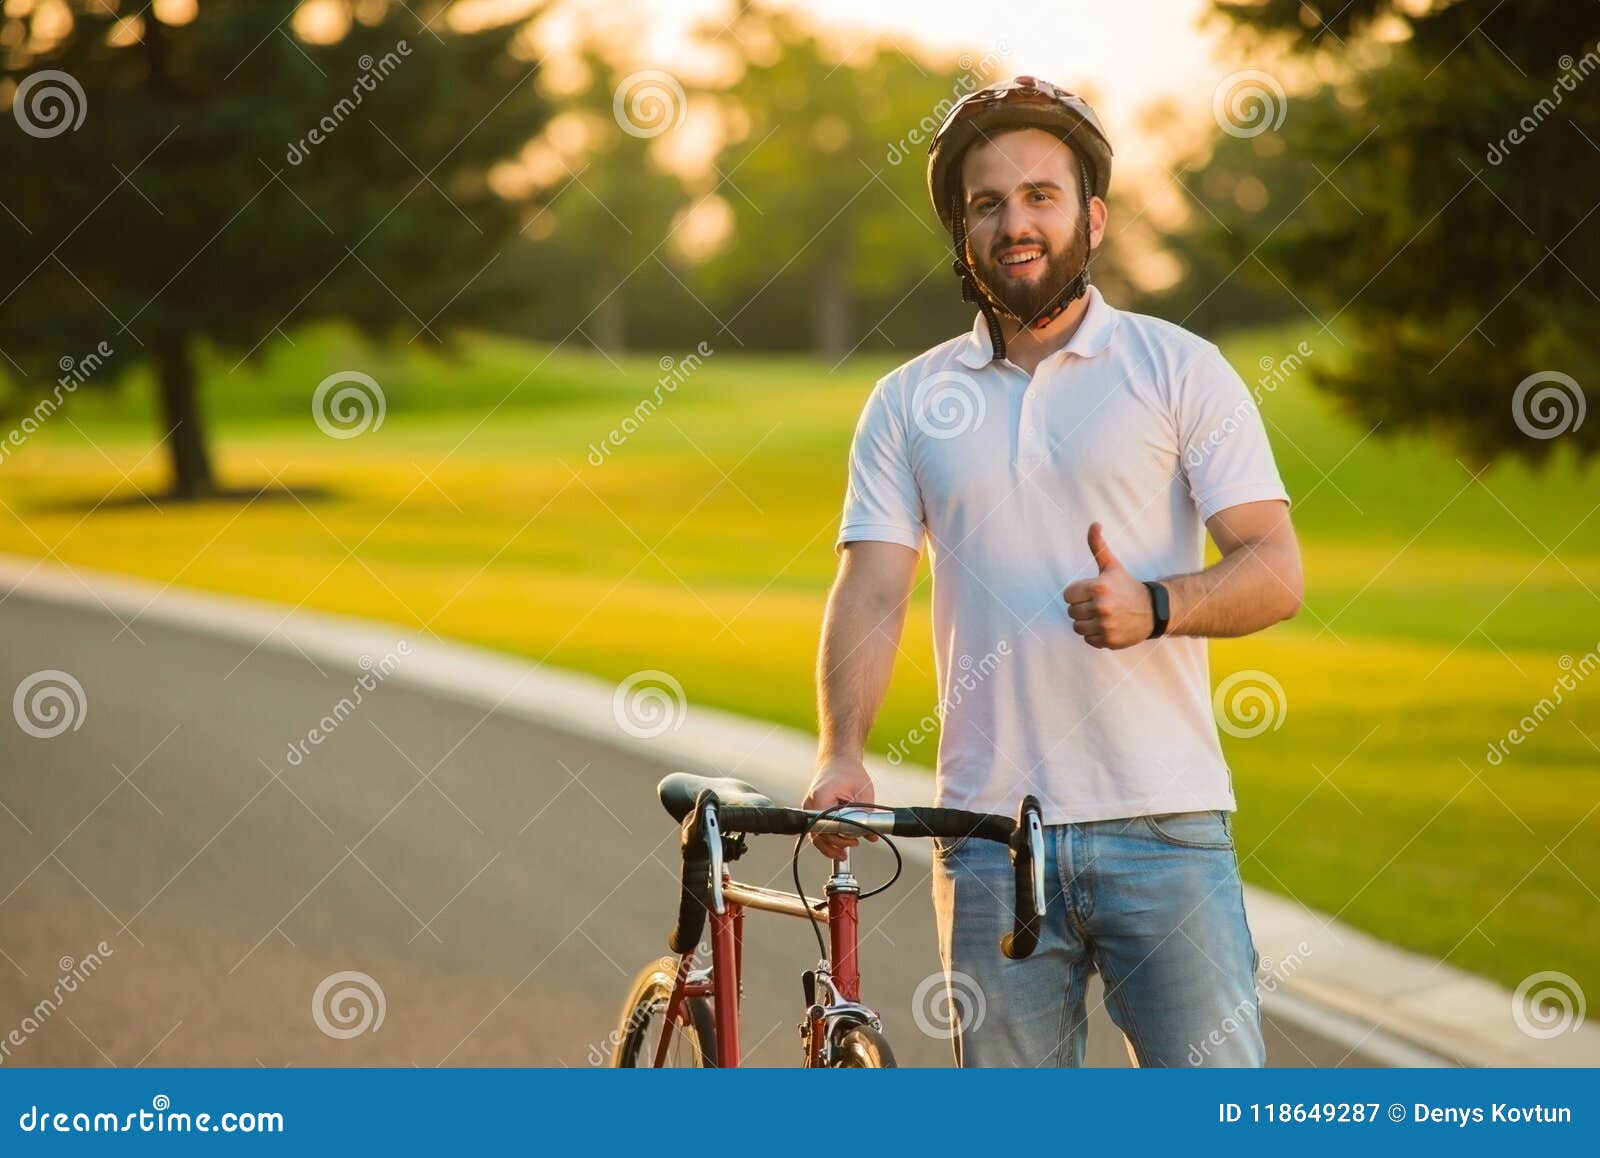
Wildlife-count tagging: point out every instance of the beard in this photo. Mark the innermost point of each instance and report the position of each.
(1026, 301)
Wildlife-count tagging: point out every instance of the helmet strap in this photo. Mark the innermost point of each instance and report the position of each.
(972, 290)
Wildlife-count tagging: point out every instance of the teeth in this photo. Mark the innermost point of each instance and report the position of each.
(1019, 258)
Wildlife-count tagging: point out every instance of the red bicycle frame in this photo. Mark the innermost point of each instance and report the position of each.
(841, 973)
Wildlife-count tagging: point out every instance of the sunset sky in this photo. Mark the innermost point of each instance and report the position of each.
(1127, 55)
(1127, 58)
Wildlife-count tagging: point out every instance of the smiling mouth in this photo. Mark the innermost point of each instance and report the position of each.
(1020, 260)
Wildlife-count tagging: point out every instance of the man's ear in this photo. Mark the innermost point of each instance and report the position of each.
(1098, 214)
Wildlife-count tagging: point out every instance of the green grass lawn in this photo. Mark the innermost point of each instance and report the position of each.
(1438, 604)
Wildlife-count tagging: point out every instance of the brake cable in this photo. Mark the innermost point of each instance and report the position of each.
(794, 860)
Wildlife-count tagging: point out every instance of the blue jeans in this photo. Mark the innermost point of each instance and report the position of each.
(1153, 903)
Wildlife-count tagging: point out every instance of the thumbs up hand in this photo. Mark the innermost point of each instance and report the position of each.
(1112, 609)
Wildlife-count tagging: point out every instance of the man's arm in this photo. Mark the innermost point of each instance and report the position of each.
(1256, 583)
(860, 634)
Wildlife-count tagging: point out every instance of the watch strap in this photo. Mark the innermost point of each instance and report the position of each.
(1160, 608)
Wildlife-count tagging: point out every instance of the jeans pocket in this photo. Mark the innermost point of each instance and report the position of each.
(1208, 829)
(948, 847)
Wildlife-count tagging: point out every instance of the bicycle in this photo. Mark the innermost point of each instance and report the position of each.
(677, 1014)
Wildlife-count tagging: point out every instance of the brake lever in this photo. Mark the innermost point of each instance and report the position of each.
(1036, 853)
(711, 828)
(1027, 840)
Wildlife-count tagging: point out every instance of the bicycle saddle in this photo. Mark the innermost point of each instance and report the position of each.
(678, 792)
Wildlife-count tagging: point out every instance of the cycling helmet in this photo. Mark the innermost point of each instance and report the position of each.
(1020, 103)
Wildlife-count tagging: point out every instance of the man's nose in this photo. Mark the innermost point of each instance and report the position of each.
(1011, 222)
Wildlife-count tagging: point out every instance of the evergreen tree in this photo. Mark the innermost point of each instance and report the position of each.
(216, 182)
(1450, 230)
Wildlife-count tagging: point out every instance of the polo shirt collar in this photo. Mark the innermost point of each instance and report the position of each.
(1092, 337)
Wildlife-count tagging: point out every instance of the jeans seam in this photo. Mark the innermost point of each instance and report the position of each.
(1178, 842)
(1085, 881)
(1076, 990)
(1061, 1024)
(1249, 933)
(1114, 993)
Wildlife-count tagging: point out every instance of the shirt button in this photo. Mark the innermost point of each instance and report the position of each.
(1030, 430)
(1033, 393)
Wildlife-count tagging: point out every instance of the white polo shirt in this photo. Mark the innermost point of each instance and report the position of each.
(1135, 423)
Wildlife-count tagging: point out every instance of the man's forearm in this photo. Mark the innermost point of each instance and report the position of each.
(859, 640)
(1250, 588)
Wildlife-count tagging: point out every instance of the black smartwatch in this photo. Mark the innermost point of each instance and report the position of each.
(1160, 608)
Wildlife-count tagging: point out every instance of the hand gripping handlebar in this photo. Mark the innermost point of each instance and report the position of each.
(701, 841)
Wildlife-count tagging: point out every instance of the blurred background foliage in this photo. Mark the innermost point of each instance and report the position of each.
(778, 205)
(1461, 145)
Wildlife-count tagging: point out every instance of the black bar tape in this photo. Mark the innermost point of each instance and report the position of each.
(951, 822)
(1024, 936)
(769, 821)
(691, 904)
(695, 889)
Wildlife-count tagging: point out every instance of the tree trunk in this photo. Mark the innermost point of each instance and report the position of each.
(610, 324)
(831, 309)
(180, 422)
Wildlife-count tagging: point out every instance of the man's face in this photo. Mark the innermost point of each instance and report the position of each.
(1024, 236)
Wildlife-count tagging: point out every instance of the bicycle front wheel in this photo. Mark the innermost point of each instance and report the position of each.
(692, 1037)
(860, 1047)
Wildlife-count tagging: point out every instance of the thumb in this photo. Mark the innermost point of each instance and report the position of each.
(1103, 558)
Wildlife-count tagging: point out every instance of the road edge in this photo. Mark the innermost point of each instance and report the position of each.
(1392, 1004)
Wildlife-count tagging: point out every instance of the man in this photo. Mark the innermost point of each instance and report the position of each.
(1064, 460)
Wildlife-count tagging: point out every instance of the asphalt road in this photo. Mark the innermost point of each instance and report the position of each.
(500, 882)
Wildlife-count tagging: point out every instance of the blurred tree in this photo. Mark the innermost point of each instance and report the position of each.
(611, 205)
(824, 175)
(218, 178)
(1447, 221)
(1230, 185)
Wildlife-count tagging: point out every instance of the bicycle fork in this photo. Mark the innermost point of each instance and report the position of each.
(837, 979)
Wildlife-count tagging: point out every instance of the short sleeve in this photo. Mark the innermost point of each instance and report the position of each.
(1223, 441)
(882, 501)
